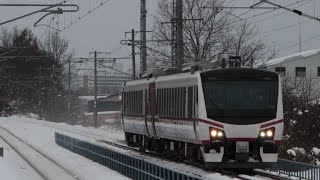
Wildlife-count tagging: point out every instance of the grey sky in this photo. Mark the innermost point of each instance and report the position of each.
(104, 28)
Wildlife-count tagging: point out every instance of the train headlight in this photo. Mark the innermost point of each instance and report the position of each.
(216, 134)
(267, 134)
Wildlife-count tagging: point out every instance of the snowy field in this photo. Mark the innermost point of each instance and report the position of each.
(13, 167)
(42, 138)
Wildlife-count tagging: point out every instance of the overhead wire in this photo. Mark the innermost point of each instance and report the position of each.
(83, 16)
(250, 17)
(300, 5)
(293, 45)
(285, 27)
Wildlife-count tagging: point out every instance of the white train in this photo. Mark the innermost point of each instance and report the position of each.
(229, 117)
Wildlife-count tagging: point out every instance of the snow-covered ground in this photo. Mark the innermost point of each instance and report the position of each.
(40, 134)
(14, 167)
(42, 138)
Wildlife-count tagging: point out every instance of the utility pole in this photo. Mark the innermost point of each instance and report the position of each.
(133, 54)
(173, 36)
(95, 114)
(180, 43)
(40, 96)
(69, 88)
(143, 37)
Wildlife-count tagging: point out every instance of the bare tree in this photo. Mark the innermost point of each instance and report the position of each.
(244, 41)
(55, 46)
(214, 35)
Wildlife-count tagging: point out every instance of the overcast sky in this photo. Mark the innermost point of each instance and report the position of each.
(103, 29)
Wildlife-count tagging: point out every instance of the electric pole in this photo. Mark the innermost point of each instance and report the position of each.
(173, 37)
(143, 37)
(69, 88)
(133, 54)
(95, 114)
(180, 43)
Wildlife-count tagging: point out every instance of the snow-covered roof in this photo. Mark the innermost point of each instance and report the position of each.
(90, 98)
(292, 57)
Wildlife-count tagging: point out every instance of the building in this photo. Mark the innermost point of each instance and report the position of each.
(108, 109)
(303, 69)
(109, 81)
(305, 64)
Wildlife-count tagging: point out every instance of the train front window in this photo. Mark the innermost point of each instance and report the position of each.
(241, 99)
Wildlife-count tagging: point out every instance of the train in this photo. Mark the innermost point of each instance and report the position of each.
(221, 118)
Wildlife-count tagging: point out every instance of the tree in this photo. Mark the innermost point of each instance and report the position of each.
(301, 118)
(32, 72)
(206, 40)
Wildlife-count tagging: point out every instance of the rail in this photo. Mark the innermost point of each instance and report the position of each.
(296, 169)
(127, 165)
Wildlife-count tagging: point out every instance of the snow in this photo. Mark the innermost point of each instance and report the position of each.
(104, 113)
(90, 98)
(42, 138)
(292, 57)
(14, 167)
(299, 112)
(301, 150)
(291, 152)
(315, 151)
(295, 150)
(47, 168)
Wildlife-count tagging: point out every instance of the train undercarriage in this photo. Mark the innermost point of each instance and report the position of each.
(192, 153)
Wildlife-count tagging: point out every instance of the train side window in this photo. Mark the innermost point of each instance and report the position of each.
(168, 103)
(129, 103)
(179, 102)
(160, 102)
(163, 102)
(175, 105)
(195, 108)
(145, 101)
(190, 101)
(183, 101)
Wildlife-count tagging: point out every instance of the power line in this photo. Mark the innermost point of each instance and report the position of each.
(285, 27)
(47, 27)
(308, 1)
(83, 16)
(262, 20)
(293, 45)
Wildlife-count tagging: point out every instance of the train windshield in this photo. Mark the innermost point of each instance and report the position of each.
(241, 99)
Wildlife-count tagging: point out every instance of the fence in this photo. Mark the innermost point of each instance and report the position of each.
(141, 169)
(296, 169)
(129, 166)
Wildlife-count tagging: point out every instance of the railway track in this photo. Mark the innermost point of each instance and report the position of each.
(231, 173)
(46, 167)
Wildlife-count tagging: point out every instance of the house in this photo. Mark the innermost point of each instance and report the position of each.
(304, 64)
(108, 110)
(301, 69)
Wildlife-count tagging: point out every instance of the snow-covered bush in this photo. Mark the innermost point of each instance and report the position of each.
(302, 122)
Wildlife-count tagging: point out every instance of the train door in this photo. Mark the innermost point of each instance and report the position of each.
(151, 109)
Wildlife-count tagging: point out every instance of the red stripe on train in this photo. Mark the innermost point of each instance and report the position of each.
(271, 123)
(207, 142)
(211, 123)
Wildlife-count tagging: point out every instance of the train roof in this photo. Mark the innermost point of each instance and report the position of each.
(226, 72)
